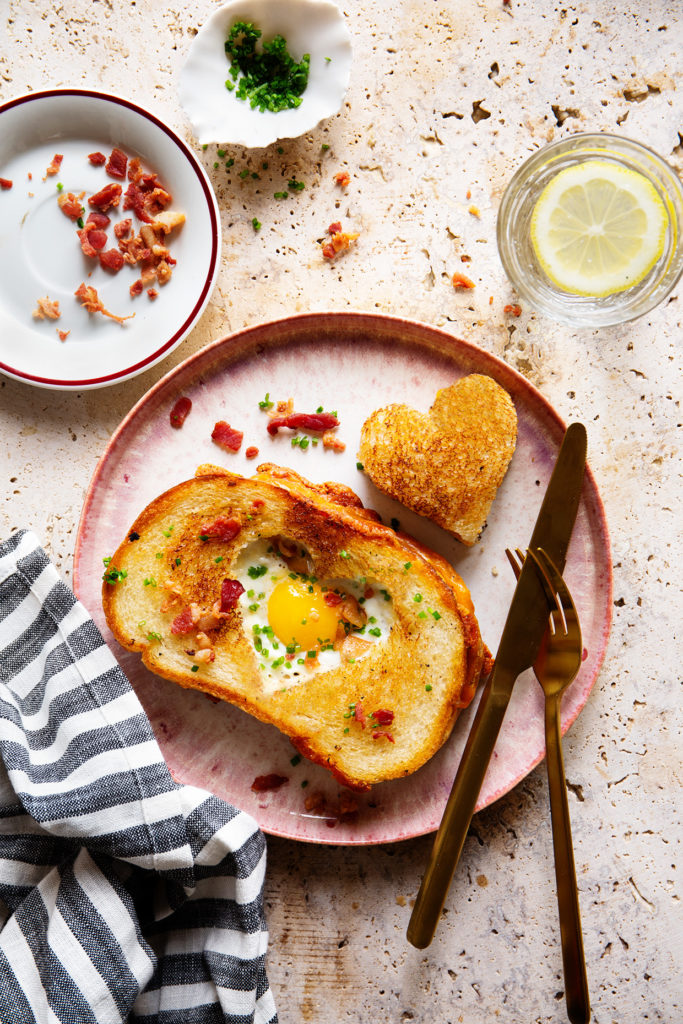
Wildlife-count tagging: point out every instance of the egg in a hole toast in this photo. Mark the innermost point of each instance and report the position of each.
(295, 603)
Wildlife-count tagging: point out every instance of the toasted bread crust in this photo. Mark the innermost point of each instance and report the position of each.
(424, 672)
(446, 465)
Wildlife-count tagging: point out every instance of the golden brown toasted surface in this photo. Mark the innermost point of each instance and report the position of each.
(165, 600)
(448, 464)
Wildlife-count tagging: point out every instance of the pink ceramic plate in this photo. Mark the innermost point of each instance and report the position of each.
(352, 363)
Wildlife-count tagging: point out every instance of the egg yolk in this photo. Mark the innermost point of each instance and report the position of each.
(297, 613)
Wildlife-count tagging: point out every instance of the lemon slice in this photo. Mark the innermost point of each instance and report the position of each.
(598, 228)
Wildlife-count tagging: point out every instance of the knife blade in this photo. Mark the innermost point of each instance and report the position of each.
(522, 634)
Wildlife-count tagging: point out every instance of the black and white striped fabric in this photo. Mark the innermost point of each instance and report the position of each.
(123, 895)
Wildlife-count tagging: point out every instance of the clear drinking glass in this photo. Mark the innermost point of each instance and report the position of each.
(517, 252)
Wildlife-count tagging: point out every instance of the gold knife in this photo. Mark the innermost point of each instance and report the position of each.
(519, 644)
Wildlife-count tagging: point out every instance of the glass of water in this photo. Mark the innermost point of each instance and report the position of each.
(554, 260)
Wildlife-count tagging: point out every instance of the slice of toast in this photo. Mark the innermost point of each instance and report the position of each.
(376, 713)
(447, 464)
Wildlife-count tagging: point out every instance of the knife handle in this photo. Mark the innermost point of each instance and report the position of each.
(457, 816)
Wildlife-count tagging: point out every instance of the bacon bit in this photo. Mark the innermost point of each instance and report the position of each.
(92, 239)
(461, 281)
(152, 293)
(117, 163)
(251, 452)
(180, 411)
(334, 228)
(359, 715)
(315, 803)
(63, 335)
(330, 440)
(6, 183)
(231, 591)
(381, 734)
(167, 220)
(222, 528)
(97, 159)
(348, 806)
(111, 260)
(368, 592)
(71, 205)
(163, 272)
(46, 309)
(514, 308)
(284, 408)
(91, 300)
(137, 287)
(332, 599)
(183, 623)
(258, 503)
(134, 200)
(342, 178)
(227, 437)
(123, 228)
(339, 241)
(100, 220)
(54, 165)
(468, 194)
(383, 716)
(263, 783)
(315, 422)
(107, 197)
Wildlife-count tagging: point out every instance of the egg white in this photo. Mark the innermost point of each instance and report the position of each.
(259, 567)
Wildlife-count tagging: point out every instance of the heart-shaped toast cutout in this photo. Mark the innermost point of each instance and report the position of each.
(446, 464)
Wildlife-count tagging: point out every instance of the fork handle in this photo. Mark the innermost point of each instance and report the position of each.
(573, 960)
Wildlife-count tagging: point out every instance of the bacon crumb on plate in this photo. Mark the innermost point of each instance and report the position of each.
(331, 440)
(263, 783)
(92, 302)
(180, 411)
(63, 335)
(226, 436)
(117, 163)
(342, 178)
(46, 309)
(251, 452)
(112, 260)
(6, 183)
(71, 205)
(54, 165)
(97, 159)
(107, 197)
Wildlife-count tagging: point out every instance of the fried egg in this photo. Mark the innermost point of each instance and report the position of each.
(300, 625)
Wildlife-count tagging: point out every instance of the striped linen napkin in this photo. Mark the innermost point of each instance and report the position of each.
(123, 895)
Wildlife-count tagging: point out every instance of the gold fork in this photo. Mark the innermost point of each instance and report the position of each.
(556, 666)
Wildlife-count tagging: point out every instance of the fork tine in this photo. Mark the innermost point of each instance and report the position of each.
(516, 568)
(555, 587)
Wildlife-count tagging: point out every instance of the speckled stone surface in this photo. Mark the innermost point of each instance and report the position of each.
(446, 99)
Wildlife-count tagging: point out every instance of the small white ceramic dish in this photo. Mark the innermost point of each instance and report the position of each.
(40, 254)
(315, 27)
